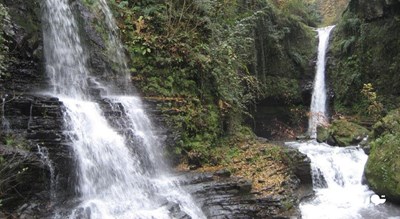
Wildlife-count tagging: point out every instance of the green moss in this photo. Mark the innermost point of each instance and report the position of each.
(342, 133)
(390, 124)
(383, 166)
(218, 57)
(365, 52)
(322, 134)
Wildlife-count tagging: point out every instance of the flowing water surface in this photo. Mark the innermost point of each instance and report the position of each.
(120, 169)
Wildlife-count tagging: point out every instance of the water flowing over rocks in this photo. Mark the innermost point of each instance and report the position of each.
(35, 124)
(35, 137)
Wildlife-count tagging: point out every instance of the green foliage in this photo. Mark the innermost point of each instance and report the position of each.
(13, 141)
(283, 47)
(375, 107)
(4, 19)
(365, 52)
(383, 166)
(342, 133)
(218, 56)
(390, 124)
(300, 10)
(286, 89)
(11, 168)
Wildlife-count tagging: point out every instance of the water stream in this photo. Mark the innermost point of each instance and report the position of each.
(121, 173)
(337, 172)
(337, 180)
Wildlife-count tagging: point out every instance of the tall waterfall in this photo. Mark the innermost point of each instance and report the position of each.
(318, 113)
(119, 172)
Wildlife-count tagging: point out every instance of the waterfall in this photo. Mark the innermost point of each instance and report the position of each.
(336, 172)
(4, 121)
(120, 169)
(44, 157)
(337, 180)
(318, 115)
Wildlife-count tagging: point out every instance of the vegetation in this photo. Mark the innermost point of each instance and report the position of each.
(342, 133)
(366, 56)
(267, 165)
(208, 61)
(383, 166)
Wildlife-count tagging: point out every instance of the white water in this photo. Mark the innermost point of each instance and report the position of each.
(4, 121)
(336, 172)
(44, 157)
(337, 180)
(318, 115)
(119, 174)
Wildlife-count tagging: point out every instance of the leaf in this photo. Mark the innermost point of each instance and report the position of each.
(123, 4)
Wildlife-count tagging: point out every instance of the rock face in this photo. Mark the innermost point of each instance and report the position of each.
(300, 165)
(365, 49)
(382, 170)
(32, 135)
(232, 198)
(24, 40)
(34, 140)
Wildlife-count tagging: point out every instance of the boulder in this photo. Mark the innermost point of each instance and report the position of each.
(300, 165)
(342, 133)
(231, 197)
(382, 170)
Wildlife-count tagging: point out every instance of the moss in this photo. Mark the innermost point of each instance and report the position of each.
(390, 124)
(383, 167)
(365, 51)
(342, 133)
(322, 134)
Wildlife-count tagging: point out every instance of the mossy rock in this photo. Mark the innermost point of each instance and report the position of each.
(382, 170)
(390, 124)
(383, 167)
(342, 133)
(322, 134)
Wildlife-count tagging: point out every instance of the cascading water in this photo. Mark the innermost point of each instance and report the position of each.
(4, 121)
(336, 172)
(337, 181)
(44, 157)
(119, 170)
(318, 101)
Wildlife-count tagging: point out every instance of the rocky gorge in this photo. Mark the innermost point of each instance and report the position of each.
(248, 178)
(36, 155)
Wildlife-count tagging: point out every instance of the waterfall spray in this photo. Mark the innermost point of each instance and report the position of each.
(318, 114)
(118, 168)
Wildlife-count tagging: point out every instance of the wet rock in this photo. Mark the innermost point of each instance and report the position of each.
(302, 137)
(36, 121)
(230, 197)
(300, 165)
(222, 173)
(175, 211)
(23, 36)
